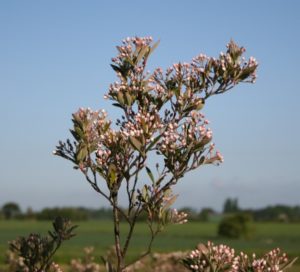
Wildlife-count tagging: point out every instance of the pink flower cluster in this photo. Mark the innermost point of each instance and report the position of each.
(91, 123)
(204, 73)
(144, 124)
(193, 132)
(271, 262)
(102, 155)
(112, 149)
(187, 75)
(87, 263)
(128, 48)
(213, 156)
(203, 256)
(172, 140)
(208, 258)
(178, 217)
(100, 137)
(129, 65)
(55, 267)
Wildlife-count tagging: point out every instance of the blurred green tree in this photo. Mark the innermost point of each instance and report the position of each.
(11, 210)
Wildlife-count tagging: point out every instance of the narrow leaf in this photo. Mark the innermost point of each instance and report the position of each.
(128, 99)
(154, 142)
(150, 175)
(145, 193)
(141, 54)
(118, 105)
(112, 174)
(81, 154)
(120, 98)
(170, 202)
(154, 46)
(135, 143)
(116, 68)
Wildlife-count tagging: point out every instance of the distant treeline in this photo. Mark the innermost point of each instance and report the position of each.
(12, 211)
(276, 213)
(75, 214)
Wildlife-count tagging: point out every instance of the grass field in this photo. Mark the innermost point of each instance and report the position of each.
(177, 237)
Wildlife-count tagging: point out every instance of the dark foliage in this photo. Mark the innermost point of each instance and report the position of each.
(235, 226)
(37, 251)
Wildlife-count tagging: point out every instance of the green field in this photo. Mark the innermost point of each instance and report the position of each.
(177, 237)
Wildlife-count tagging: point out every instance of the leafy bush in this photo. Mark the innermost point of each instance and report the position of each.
(235, 226)
(35, 252)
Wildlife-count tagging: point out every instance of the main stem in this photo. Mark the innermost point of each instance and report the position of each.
(120, 258)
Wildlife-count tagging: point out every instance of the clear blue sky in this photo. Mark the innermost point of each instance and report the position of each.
(55, 56)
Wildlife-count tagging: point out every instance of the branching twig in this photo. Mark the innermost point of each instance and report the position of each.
(98, 190)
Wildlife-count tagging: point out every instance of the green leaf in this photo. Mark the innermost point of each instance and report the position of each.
(153, 47)
(176, 92)
(120, 98)
(154, 142)
(75, 135)
(77, 132)
(112, 175)
(150, 175)
(129, 60)
(170, 202)
(200, 104)
(118, 105)
(205, 140)
(201, 160)
(190, 147)
(198, 147)
(141, 54)
(81, 153)
(128, 99)
(145, 193)
(116, 68)
(106, 126)
(135, 143)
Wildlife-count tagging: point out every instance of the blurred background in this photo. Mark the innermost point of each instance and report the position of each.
(55, 57)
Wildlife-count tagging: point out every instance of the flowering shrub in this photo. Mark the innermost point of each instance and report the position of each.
(210, 257)
(160, 116)
(34, 253)
(16, 264)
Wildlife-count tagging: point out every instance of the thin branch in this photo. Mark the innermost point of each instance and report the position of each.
(117, 234)
(46, 264)
(136, 175)
(167, 185)
(128, 195)
(98, 190)
(95, 186)
(148, 251)
(132, 226)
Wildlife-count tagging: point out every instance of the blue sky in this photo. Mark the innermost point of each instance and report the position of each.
(55, 56)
